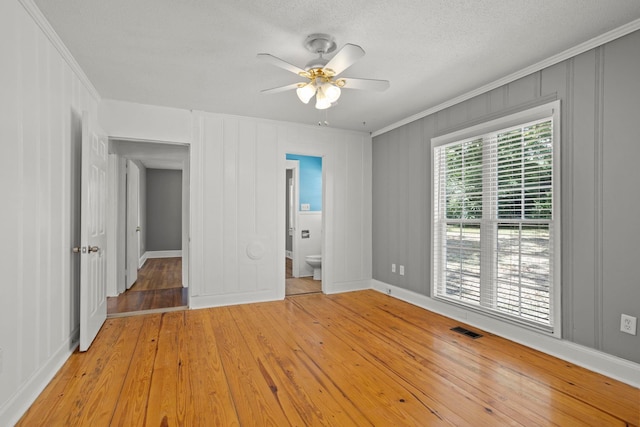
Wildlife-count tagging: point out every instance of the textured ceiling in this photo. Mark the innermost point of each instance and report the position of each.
(201, 54)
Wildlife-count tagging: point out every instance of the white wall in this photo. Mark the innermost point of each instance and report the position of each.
(237, 200)
(130, 121)
(42, 95)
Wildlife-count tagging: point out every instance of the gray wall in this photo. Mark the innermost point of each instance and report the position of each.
(163, 209)
(600, 96)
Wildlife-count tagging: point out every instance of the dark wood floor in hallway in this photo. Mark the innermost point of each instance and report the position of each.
(352, 359)
(159, 286)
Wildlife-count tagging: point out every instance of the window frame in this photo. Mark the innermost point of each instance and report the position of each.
(550, 110)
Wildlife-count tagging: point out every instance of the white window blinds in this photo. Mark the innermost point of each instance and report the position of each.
(494, 238)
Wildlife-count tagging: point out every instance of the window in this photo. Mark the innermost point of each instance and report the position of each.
(496, 218)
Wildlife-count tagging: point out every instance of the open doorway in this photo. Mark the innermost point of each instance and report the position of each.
(151, 240)
(303, 240)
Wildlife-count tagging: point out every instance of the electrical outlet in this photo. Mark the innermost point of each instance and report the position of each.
(393, 268)
(628, 324)
(402, 270)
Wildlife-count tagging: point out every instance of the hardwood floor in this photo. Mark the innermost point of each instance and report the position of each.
(158, 287)
(159, 273)
(299, 285)
(132, 301)
(358, 358)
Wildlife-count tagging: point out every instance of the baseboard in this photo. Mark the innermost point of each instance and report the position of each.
(163, 254)
(620, 369)
(15, 407)
(142, 260)
(207, 301)
(358, 285)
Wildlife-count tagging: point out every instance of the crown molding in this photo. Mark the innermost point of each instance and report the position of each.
(562, 56)
(42, 22)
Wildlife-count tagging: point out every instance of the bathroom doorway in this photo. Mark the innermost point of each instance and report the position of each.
(303, 228)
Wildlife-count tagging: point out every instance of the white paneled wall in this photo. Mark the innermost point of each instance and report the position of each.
(42, 96)
(234, 172)
(236, 206)
(346, 208)
(237, 165)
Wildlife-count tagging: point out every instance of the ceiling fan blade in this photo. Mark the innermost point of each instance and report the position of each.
(281, 88)
(345, 58)
(281, 63)
(365, 84)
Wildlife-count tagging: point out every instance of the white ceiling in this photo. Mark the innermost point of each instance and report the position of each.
(201, 55)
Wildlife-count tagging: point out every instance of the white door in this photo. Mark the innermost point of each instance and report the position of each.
(133, 223)
(93, 260)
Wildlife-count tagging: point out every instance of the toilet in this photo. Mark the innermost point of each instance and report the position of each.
(315, 261)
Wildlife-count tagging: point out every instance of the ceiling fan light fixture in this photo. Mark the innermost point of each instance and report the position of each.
(306, 92)
(323, 75)
(331, 91)
(322, 102)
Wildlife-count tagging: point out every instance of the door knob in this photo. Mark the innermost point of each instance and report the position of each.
(93, 249)
(76, 250)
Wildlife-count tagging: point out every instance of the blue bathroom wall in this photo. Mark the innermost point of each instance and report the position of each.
(310, 180)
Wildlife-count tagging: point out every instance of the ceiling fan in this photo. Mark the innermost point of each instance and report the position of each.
(322, 74)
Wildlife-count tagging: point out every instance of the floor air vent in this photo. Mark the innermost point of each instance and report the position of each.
(466, 332)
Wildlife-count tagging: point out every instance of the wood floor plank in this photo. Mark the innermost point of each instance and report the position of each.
(313, 377)
(71, 381)
(159, 285)
(498, 388)
(132, 410)
(299, 285)
(255, 400)
(292, 400)
(550, 372)
(407, 360)
(313, 395)
(166, 406)
(99, 404)
(302, 285)
(211, 400)
(358, 358)
(381, 398)
(159, 273)
(92, 396)
(610, 395)
(428, 385)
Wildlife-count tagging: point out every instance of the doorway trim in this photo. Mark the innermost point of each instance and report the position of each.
(294, 166)
(132, 223)
(327, 212)
(115, 231)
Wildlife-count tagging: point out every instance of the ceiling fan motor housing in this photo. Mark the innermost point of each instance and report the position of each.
(319, 44)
